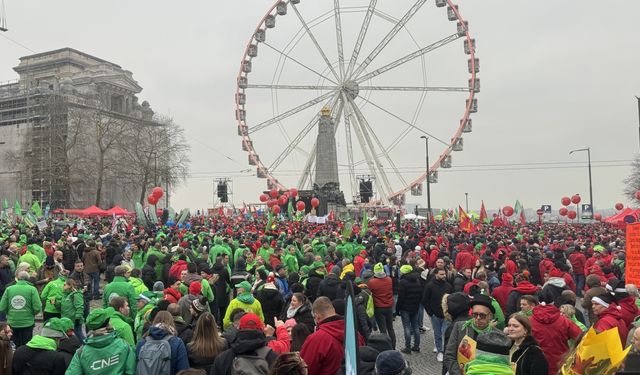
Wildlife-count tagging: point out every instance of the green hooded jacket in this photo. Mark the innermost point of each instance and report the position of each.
(120, 287)
(122, 325)
(104, 355)
(160, 255)
(31, 259)
(44, 343)
(138, 285)
(140, 319)
(21, 303)
(72, 306)
(246, 302)
(52, 295)
(138, 259)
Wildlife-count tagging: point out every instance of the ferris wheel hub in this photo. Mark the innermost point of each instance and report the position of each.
(351, 88)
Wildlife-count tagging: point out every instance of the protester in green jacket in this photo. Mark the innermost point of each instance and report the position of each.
(51, 296)
(137, 255)
(290, 259)
(103, 353)
(21, 303)
(120, 287)
(30, 258)
(155, 250)
(144, 304)
(120, 320)
(136, 282)
(244, 301)
(72, 307)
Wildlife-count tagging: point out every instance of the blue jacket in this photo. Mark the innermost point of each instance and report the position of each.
(283, 287)
(179, 356)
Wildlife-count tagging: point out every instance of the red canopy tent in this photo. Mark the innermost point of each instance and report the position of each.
(118, 211)
(93, 211)
(619, 217)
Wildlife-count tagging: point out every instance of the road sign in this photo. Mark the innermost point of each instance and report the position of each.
(540, 211)
(546, 208)
(587, 211)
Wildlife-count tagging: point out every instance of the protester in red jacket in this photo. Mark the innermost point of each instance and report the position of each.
(627, 303)
(552, 331)
(465, 258)
(501, 293)
(178, 267)
(358, 262)
(578, 261)
(323, 350)
(608, 316)
(546, 265)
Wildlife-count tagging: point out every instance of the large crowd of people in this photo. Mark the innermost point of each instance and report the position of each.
(227, 295)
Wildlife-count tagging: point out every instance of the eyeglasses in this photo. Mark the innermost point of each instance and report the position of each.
(479, 315)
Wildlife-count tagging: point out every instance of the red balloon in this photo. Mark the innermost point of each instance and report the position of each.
(507, 211)
(300, 206)
(283, 200)
(571, 215)
(565, 201)
(575, 199)
(157, 192)
(271, 203)
(294, 192)
(315, 202)
(264, 198)
(619, 206)
(274, 193)
(637, 195)
(563, 211)
(276, 209)
(597, 216)
(152, 200)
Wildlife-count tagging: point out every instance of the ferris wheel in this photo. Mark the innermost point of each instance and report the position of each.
(388, 72)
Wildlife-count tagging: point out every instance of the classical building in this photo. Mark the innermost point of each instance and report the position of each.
(47, 150)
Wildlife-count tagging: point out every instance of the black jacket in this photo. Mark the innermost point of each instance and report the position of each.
(247, 341)
(149, 274)
(432, 297)
(529, 358)
(184, 331)
(409, 293)
(303, 315)
(313, 284)
(5, 278)
(329, 287)
(272, 303)
(459, 282)
(28, 361)
(68, 348)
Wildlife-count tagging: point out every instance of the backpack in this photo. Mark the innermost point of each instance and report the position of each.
(252, 364)
(155, 357)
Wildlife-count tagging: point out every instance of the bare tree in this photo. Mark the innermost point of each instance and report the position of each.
(632, 182)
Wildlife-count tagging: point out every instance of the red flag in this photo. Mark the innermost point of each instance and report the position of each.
(483, 213)
(332, 216)
(220, 211)
(465, 221)
(523, 220)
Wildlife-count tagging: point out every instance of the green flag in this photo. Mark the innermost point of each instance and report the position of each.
(17, 209)
(35, 208)
(365, 223)
(5, 205)
(268, 227)
(346, 230)
(517, 207)
(290, 210)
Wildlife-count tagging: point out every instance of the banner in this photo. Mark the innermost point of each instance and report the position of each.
(350, 333)
(632, 264)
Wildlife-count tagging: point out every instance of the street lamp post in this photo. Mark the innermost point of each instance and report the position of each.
(588, 150)
(426, 149)
(638, 98)
(466, 201)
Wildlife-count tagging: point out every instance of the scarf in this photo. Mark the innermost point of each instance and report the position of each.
(471, 323)
(246, 297)
(291, 312)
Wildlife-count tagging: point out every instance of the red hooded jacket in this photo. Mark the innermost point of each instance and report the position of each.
(552, 331)
(628, 310)
(611, 318)
(358, 262)
(323, 350)
(171, 295)
(501, 293)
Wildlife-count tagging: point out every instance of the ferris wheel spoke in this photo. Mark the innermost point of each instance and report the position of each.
(368, 156)
(338, 20)
(299, 137)
(414, 88)
(361, 35)
(406, 122)
(392, 33)
(368, 130)
(291, 112)
(352, 173)
(299, 63)
(368, 144)
(314, 40)
(290, 87)
(408, 58)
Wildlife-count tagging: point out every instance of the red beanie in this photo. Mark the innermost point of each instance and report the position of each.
(195, 288)
(555, 273)
(507, 277)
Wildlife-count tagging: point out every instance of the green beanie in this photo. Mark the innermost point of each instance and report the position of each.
(66, 324)
(244, 285)
(53, 328)
(378, 268)
(317, 264)
(406, 269)
(99, 318)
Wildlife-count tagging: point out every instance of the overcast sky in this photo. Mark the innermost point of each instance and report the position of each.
(555, 76)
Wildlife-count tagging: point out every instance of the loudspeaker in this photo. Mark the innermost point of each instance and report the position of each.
(222, 192)
(366, 191)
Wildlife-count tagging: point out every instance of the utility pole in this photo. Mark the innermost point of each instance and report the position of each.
(466, 199)
(426, 148)
(638, 99)
(588, 150)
